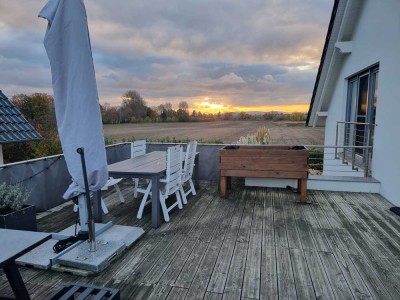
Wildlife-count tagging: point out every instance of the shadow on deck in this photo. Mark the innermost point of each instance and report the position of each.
(258, 244)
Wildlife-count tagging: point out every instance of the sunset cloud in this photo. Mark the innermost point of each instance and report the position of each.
(245, 53)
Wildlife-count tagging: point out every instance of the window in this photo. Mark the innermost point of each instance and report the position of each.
(362, 97)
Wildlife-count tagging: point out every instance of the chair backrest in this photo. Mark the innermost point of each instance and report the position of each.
(138, 148)
(174, 169)
(189, 161)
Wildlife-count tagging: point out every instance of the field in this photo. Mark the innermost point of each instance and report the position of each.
(282, 133)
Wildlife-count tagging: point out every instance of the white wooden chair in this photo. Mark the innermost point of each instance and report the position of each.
(138, 148)
(187, 172)
(170, 184)
(110, 182)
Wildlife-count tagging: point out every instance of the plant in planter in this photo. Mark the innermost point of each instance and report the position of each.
(14, 213)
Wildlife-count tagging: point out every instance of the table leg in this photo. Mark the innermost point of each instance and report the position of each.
(302, 187)
(97, 211)
(16, 282)
(223, 186)
(196, 172)
(155, 202)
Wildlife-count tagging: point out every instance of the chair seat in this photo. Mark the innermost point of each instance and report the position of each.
(111, 182)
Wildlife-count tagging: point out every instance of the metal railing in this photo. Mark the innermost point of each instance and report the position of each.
(328, 160)
(354, 144)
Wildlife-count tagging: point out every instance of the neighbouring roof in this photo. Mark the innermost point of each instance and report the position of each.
(13, 126)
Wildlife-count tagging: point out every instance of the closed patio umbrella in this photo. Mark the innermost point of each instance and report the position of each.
(77, 107)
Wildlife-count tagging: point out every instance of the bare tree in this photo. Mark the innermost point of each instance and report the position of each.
(134, 108)
(184, 106)
(183, 111)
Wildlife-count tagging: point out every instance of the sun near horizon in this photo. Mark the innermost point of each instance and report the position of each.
(207, 106)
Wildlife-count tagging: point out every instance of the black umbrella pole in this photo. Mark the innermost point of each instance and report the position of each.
(92, 235)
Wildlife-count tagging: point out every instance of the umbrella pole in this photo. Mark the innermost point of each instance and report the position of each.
(92, 233)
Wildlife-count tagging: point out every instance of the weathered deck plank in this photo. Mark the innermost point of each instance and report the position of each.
(220, 273)
(177, 294)
(207, 223)
(269, 277)
(234, 282)
(328, 237)
(200, 281)
(256, 244)
(252, 275)
(322, 286)
(304, 286)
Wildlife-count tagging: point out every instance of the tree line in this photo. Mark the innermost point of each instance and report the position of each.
(39, 110)
(135, 110)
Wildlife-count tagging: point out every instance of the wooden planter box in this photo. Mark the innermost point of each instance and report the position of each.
(23, 219)
(264, 162)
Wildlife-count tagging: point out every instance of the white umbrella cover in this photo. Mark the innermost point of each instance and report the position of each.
(77, 106)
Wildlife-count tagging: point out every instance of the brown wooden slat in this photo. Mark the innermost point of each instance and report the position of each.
(266, 153)
(263, 160)
(267, 174)
(254, 165)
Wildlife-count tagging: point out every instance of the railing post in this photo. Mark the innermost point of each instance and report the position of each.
(366, 171)
(337, 137)
(353, 153)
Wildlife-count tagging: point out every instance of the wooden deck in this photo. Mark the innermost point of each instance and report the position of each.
(255, 244)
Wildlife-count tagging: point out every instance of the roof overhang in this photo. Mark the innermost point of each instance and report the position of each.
(338, 44)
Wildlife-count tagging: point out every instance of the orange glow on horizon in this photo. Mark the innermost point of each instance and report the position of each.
(210, 107)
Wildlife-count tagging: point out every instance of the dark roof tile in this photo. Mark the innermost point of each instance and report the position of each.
(13, 126)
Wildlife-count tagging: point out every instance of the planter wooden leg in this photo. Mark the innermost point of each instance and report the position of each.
(302, 187)
(223, 185)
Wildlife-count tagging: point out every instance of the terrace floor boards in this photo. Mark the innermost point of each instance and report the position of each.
(258, 243)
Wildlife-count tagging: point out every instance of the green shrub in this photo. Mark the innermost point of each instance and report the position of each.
(12, 197)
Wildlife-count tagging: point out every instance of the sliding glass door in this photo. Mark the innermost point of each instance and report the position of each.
(362, 98)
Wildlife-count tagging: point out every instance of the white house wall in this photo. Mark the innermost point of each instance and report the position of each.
(376, 39)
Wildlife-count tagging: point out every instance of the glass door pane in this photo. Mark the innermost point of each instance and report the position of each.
(351, 113)
(372, 107)
(374, 83)
(361, 115)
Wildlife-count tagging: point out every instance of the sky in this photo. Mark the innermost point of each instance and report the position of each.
(217, 55)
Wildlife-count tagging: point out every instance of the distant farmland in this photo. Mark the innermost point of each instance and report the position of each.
(283, 132)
